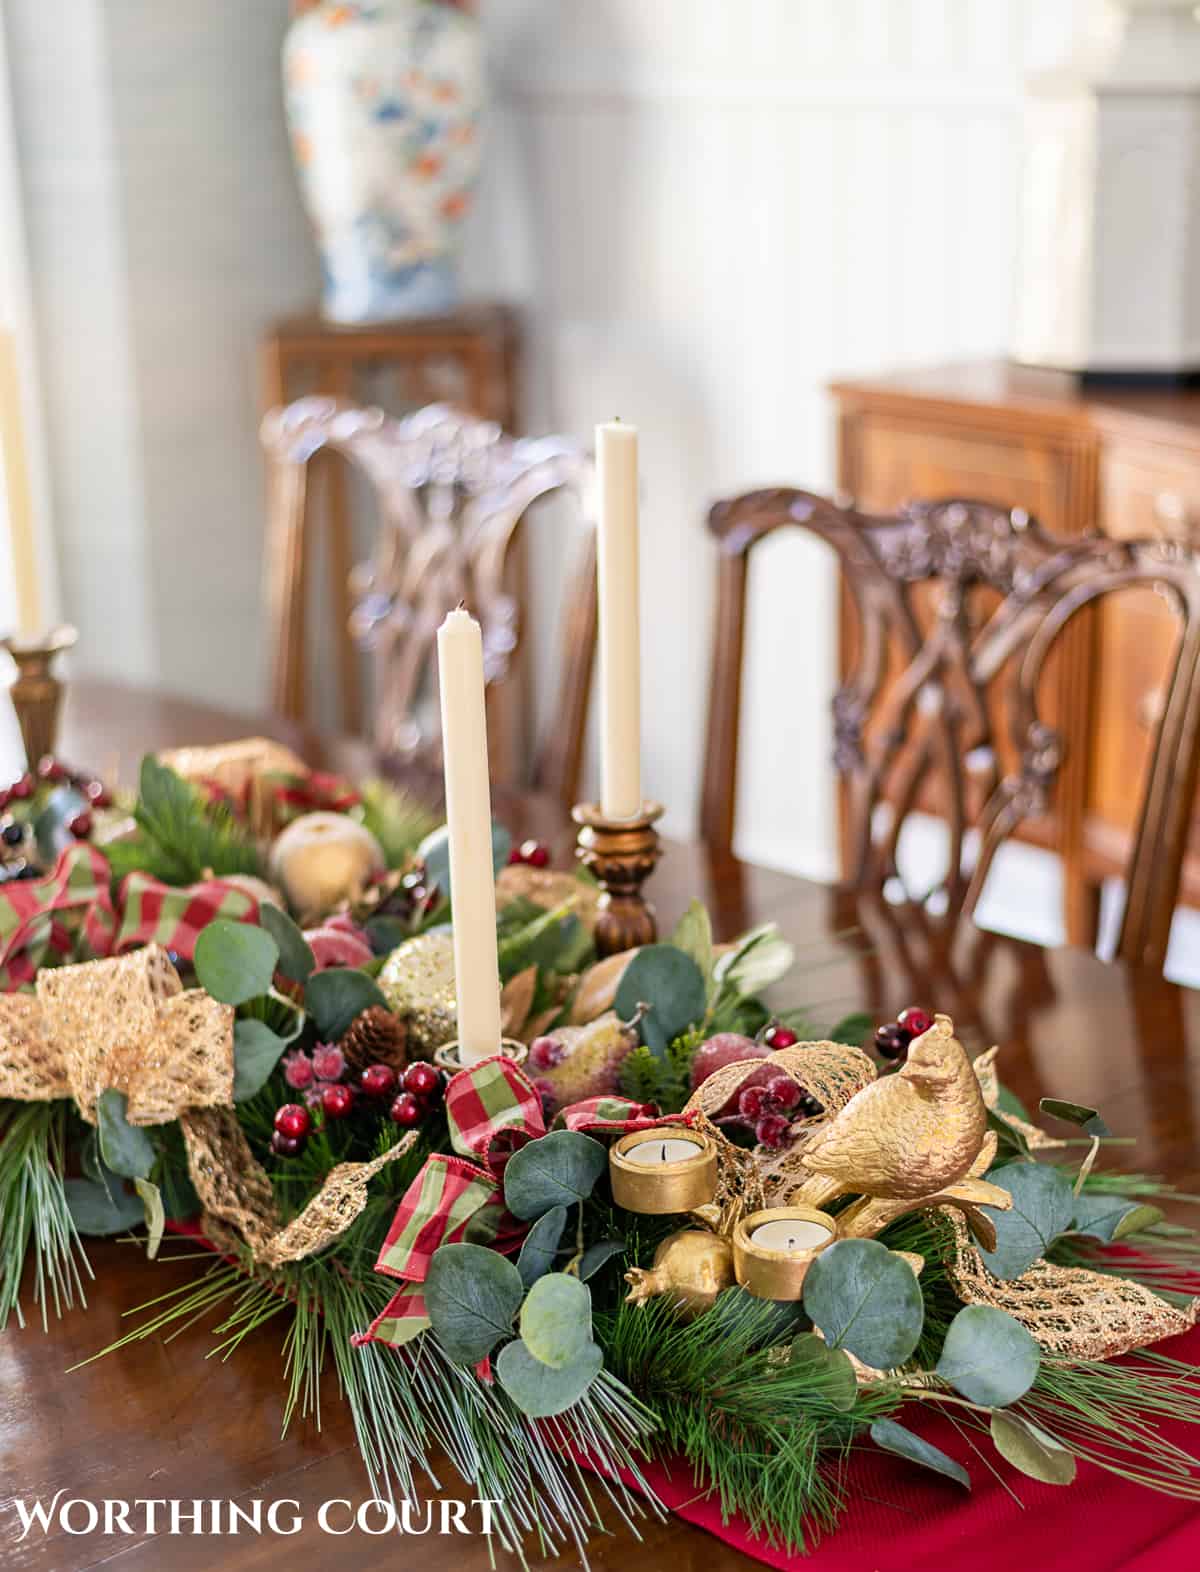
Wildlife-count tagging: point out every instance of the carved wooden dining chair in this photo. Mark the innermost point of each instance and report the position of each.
(959, 605)
(452, 494)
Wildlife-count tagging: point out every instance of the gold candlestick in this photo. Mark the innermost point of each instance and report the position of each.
(621, 853)
(36, 691)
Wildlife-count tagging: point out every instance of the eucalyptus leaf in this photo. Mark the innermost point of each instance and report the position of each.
(471, 1297)
(541, 1245)
(556, 1319)
(1010, 1142)
(540, 1391)
(1109, 1217)
(99, 1211)
(693, 935)
(153, 1213)
(556, 1170)
(671, 984)
(296, 959)
(125, 1148)
(1027, 1447)
(829, 1369)
(895, 1438)
(235, 961)
(336, 996)
(385, 934)
(598, 1255)
(256, 1052)
(867, 1300)
(1043, 1206)
(434, 854)
(762, 957)
(1088, 1119)
(988, 1356)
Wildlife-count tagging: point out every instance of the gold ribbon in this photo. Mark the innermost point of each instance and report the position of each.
(125, 1023)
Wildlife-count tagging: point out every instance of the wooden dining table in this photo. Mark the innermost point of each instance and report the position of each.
(161, 1419)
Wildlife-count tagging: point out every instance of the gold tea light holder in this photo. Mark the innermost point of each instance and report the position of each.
(36, 691)
(663, 1171)
(448, 1056)
(773, 1250)
(621, 854)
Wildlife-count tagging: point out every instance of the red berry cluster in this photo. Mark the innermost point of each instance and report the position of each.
(892, 1040)
(322, 1076)
(770, 1108)
(534, 854)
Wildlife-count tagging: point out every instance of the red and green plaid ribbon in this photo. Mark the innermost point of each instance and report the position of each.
(69, 915)
(157, 913)
(491, 1109)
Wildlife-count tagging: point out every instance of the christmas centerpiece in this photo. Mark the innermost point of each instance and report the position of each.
(555, 1208)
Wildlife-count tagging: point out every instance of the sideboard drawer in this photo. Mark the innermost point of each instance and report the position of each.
(1148, 490)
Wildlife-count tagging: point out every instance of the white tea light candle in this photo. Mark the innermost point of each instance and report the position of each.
(469, 822)
(797, 1234)
(673, 1151)
(620, 652)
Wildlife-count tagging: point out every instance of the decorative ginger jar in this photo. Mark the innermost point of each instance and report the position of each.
(383, 104)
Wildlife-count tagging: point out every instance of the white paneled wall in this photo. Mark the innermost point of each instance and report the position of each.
(708, 209)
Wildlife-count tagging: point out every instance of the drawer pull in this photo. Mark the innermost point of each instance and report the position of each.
(1150, 710)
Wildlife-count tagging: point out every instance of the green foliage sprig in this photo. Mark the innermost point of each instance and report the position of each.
(181, 838)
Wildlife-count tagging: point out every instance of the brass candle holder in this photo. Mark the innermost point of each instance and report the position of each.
(449, 1057)
(776, 1268)
(36, 691)
(661, 1182)
(621, 854)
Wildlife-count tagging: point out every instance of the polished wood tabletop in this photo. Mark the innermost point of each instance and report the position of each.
(161, 1420)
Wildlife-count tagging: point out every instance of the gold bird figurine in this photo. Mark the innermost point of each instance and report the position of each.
(910, 1135)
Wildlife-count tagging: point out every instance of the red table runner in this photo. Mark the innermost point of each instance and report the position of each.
(902, 1518)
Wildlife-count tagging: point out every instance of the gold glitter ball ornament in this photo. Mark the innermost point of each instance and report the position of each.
(690, 1267)
(417, 981)
(323, 859)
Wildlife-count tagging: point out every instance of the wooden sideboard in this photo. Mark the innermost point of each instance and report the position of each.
(1119, 461)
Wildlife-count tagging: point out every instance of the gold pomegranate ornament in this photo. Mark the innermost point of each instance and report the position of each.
(690, 1268)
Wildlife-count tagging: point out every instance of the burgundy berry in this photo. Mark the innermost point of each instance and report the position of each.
(915, 1021)
(80, 826)
(337, 1100)
(406, 1111)
(12, 833)
(293, 1120)
(287, 1145)
(50, 769)
(378, 1080)
(772, 1130)
(535, 854)
(23, 789)
(892, 1042)
(784, 1092)
(422, 1080)
(750, 1103)
(809, 1107)
(777, 1035)
(96, 794)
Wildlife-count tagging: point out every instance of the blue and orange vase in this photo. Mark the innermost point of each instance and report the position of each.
(384, 99)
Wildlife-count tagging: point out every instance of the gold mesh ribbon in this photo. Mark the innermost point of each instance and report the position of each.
(1071, 1311)
(124, 1023)
(989, 1085)
(236, 1192)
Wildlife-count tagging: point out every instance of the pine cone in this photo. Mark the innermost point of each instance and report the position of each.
(375, 1037)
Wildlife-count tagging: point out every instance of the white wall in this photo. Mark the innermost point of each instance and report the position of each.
(708, 209)
(164, 232)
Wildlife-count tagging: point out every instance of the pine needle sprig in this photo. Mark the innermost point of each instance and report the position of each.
(181, 837)
(35, 1218)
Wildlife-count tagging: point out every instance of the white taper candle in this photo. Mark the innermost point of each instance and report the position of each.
(469, 821)
(620, 651)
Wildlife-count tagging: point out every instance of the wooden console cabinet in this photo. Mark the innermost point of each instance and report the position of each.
(1124, 463)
